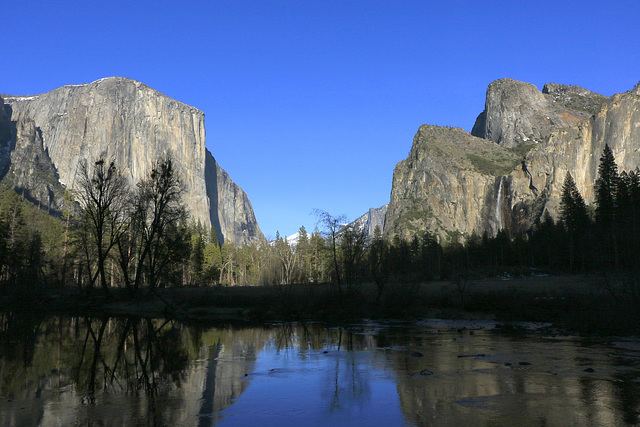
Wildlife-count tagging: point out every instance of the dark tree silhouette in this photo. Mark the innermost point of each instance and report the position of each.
(158, 234)
(103, 193)
(573, 213)
(331, 226)
(606, 189)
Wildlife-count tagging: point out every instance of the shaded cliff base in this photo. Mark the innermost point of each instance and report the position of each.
(594, 304)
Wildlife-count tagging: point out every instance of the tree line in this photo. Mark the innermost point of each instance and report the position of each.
(111, 235)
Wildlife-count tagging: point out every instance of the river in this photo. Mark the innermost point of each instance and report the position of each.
(61, 371)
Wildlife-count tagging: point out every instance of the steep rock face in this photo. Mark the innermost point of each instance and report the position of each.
(452, 183)
(5, 139)
(128, 122)
(231, 212)
(517, 113)
(30, 170)
(372, 219)
(577, 150)
(124, 120)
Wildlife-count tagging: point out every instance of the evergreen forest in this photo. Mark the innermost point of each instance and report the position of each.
(113, 236)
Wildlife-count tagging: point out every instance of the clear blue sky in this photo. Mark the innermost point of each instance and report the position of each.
(310, 104)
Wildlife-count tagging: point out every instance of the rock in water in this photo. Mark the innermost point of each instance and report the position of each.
(135, 125)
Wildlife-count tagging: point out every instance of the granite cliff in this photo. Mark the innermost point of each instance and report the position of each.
(518, 113)
(231, 212)
(451, 183)
(130, 123)
(370, 220)
(510, 169)
(577, 150)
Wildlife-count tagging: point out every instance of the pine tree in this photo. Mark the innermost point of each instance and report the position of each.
(302, 250)
(212, 262)
(606, 186)
(196, 258)
(634, 218)
(606, 189)
(317, 250)
(379, 261)
(573, 213)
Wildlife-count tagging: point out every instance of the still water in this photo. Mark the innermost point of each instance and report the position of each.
(81, 371)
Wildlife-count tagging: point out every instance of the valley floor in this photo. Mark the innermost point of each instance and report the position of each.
(587, 304)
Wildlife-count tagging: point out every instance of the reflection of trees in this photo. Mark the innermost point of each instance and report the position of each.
(138, 355)
(120, 371)
(348, 385)
(163, 372)
(140, 358)
(348, 382)
(17, 344)
(17, 339)
(626, 390)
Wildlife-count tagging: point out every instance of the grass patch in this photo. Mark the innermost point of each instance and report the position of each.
(494, 164)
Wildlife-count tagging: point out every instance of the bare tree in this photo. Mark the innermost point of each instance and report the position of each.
(331, 226)
(288, 259)
(157, 236)
(102, 195)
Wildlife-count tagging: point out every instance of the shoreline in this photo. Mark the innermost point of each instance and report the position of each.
(578, 303)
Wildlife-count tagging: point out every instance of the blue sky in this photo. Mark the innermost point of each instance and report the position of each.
(310, 104)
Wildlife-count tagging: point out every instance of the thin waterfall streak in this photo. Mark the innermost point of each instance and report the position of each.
(499, 206)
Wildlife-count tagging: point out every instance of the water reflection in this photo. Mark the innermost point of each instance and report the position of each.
(87, 371)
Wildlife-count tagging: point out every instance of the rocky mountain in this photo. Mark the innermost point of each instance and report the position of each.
(450, 184)
(134, 125)
(518, 113)
(368, 222)
(231, 212)
(577, 150)
(510, 169)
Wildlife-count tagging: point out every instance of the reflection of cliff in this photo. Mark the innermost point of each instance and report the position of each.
(150, 372)
(474, 379)
(229, 363)
(64, 371)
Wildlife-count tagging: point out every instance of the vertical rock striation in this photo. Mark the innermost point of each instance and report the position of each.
(372, 219)
(518, 113)
(510, 170)
(231, 212)
(130, 123)
(577, 149)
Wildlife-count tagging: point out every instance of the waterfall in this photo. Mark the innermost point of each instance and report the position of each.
(499, 206)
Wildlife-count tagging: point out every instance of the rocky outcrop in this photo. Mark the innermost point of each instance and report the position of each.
(451, 184)
(30, 170)
(6, 144)
(127, 121)
(231, 212)
(455, 184)
(372, 219)
(577, 150)
(517, 113)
